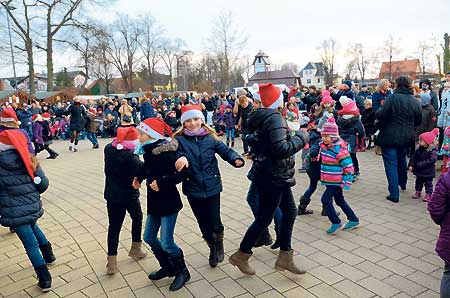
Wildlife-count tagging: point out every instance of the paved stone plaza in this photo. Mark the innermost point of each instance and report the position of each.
(390, 255)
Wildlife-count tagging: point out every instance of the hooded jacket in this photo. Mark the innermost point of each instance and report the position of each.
(349, 129)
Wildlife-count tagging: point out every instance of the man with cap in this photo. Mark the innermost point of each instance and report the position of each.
(273, 173)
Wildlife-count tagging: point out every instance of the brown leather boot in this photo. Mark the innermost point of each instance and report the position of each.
(111, 266)
(136, 251)
(240, 260)
(285, 261)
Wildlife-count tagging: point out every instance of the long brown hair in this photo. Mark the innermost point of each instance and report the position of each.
(211, 131)
(34, 163)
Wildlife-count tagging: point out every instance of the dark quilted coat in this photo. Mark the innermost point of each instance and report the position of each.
(20, 201)
(274, 148)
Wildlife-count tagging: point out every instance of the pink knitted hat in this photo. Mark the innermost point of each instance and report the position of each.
(429, 137)
(348, 106)
(330, 128)
(326, 97)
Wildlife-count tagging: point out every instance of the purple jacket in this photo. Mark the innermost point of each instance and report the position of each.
(439, 208)
(228, 119)
(37, 133)
(423, 162)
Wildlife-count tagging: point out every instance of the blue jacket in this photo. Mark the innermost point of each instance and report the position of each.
(147, 110)
(205, 180)
(20, 201)
(377, 99)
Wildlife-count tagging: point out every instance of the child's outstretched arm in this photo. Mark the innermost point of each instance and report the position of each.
(438, 205)
(347, 167)
(229, 155)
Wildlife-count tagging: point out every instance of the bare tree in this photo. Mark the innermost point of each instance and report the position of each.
(423, 49)
(227, 40)
(59, 14)
(290, 66)
(350, 69)
(361, 58)
(23, 27)
(437, 50)
(101, 66)
(328, 55)
(150, 44)
(391, 49)
(170, 50)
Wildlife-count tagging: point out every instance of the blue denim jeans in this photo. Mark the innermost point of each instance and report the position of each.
(338, 195)
(310, 190)
(92, 136)
(32, 237)
(230, 133)
(166, 241)
(394, 160)
(253, 202)
(445, 283)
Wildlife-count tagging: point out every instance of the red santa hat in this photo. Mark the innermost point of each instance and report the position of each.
(8, 115)
(326, 97)
(348, 106)
(36, 117)
(271, 96)
(46, 116)
(126, 133)
(191, 111)
(16, 139)
(430, 137)
(156, 128)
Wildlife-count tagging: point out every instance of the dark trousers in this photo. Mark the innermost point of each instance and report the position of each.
(116, 216)
(270, 198)
(338, 195)
(207, 213)
(253, 202)
(445, 282)
(355, 162)
(394, 160)
(244, 134)
(427, 181)
(41, 147)
(310, 190)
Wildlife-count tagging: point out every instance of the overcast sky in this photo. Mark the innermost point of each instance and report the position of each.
(290, 31)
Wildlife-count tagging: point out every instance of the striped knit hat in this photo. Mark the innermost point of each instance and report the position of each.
(330, 128)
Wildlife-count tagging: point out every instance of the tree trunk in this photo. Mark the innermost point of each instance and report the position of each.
(49, 54)
(438, 58)
(29, 48)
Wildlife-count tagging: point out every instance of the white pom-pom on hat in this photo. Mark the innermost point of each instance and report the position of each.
(344, 100)
(119, 146)
(37, 180)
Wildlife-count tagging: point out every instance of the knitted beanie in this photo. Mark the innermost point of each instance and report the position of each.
(330, 128)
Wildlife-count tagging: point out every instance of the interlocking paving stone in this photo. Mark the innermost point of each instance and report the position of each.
(390, 255)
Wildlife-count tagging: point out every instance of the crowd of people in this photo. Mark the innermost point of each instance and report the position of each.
(178, 137)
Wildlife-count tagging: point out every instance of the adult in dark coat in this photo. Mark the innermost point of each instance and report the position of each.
(426, 87)
(345, 89)
(273, 173)
(380, 95)
(22, 181)
(77, 114)
(310, 98)
(349, 130)
(439, 210)
(397, 119)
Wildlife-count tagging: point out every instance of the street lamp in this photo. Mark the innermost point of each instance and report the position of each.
(10, 8)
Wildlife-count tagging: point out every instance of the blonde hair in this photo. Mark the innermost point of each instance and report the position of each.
(243, 99)
(211, 131)
(381, 83)
(368, 102)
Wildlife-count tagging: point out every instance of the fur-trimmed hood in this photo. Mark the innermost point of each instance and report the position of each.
(165, 146)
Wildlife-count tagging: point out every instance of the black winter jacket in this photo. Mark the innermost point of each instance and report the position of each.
(313, 167)
(429, 120)
(121, 166)
(348, 129)
(205, 180)
(368, 121)
(20, 201)
(159, 165)
(77, 114)
(275, 163)
(423, 162)
(397, 118)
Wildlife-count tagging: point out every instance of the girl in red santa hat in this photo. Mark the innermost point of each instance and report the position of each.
(350, 128)
(121, 166)
(198, 145)
(163, 199)
(21, 183)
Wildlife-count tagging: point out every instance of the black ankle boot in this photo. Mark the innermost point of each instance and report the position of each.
(166, 269)
(218, 243)
(302, 208)
(44, 277)
(264, 239)
(182, 274)
(232, 144)
(47, 253)
(212, 253)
